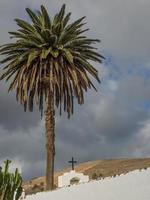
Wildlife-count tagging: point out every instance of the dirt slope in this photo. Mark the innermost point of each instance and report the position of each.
(95, 169)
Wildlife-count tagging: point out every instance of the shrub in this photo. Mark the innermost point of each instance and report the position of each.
(94, 176)
(35, 186)
(10, 183)
(42, 183)
(100, 175)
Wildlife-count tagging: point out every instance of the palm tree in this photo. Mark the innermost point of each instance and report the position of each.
(48, 64)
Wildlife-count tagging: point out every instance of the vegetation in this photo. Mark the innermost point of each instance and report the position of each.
(100, 175)
(48, 64)
(10, 184)
(94, 176)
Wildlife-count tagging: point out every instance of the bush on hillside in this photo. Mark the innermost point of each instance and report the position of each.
(94, 176)
(100, 175)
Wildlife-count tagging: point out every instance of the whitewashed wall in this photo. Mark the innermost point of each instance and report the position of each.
(132, 186)
(64, 180)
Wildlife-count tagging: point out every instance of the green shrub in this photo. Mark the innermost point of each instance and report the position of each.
(10, 183)
(42, 183)
(100, 175)
(94, 176)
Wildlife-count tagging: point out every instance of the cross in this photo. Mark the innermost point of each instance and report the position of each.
(72, 162)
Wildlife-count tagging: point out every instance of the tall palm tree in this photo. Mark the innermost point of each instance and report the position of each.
(48, 64)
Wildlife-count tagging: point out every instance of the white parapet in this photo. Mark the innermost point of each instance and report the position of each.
(72, 177)
(132, 186)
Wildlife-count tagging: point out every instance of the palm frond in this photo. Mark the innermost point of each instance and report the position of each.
(50, 56)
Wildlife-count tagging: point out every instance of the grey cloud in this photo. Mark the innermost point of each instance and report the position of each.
(12, 115)
(123, 26)
(92, 133)
(26, 145)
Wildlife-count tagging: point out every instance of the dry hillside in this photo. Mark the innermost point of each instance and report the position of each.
(95, 169)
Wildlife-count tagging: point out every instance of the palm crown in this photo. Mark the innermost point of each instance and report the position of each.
(50, 56)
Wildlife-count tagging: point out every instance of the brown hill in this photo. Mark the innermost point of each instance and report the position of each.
(95, 169)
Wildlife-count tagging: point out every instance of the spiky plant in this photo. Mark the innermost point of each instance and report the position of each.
(48, 63)
(10, 183)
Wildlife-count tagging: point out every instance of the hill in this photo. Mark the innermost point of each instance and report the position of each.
(95, 169)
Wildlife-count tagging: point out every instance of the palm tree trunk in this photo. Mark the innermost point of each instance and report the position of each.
(50, 140)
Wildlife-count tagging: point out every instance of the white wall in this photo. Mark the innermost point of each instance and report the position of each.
(132, 186)
(64, 180)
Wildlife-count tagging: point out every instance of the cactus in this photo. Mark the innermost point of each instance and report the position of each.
(10, 184)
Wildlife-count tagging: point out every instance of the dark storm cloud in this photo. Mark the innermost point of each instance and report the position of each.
(12, 115)
(113, 122)
(24, 145)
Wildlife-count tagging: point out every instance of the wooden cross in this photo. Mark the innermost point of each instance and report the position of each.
(72, 162)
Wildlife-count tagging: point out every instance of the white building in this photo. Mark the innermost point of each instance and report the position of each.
(71, 178)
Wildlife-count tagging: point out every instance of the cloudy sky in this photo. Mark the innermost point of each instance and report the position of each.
(115, 121)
